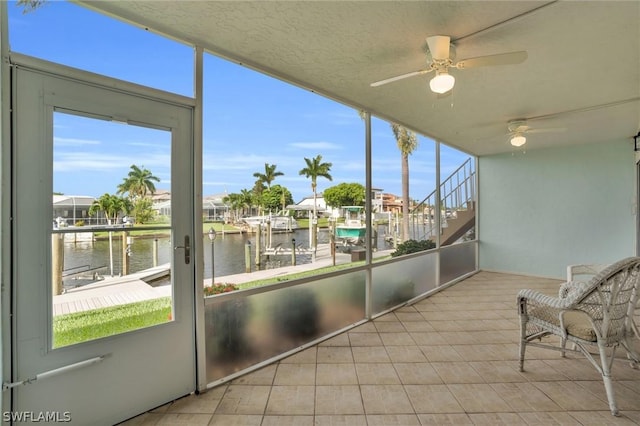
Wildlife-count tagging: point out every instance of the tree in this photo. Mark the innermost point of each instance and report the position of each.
(316, 168)
(272, 198)
(344, 194)
(269, 174)
(143, 210)
(111, 206)
(407, 142)
(30, 5)
(138, 183)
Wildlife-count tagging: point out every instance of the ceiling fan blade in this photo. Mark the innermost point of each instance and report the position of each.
(547, 130)
(499, 59)
(439, 46)
(399, 77)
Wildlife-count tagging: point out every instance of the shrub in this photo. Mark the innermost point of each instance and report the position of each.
(80, 223)
(219, 288)
(413, 246)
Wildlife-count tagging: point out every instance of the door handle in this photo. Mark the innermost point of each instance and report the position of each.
(187, 249)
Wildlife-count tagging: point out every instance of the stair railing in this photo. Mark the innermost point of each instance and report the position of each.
(457, 192)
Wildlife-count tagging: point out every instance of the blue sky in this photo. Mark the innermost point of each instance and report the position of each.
(250, 119)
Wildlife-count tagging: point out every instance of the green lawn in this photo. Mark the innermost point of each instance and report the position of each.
(82, 326)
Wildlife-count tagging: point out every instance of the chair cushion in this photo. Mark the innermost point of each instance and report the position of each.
(576, 322)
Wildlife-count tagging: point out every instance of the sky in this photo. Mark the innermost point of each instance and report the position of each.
(249, 119)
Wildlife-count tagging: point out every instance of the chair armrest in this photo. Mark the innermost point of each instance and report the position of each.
(527, 295)
(584, 269)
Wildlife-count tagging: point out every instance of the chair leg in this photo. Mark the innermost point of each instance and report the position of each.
(606, 378)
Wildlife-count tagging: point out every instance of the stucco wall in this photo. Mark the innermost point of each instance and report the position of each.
(544, 209)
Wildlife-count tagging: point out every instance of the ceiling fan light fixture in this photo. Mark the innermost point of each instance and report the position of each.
(442, 82)
(518, 140)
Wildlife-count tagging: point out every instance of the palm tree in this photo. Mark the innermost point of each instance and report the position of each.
(269, 174)
(316, 168)
(138, 183)
(111, 206)
(407, 142)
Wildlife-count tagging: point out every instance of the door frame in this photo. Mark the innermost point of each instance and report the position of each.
(123, 89)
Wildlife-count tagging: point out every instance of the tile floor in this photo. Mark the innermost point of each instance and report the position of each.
(448, 359)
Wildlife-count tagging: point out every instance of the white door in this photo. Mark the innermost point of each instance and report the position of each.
(99, 333)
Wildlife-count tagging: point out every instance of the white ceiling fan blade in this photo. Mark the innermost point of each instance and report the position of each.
(499, 59)
(547, 130)
(439, 46)
(399, 77)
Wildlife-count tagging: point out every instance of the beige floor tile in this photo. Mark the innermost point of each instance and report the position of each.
(377, 374)
(308, 355)
(263, 376)
(409, 316)
(493, 419)
(368, 327)
(457, 372)
(430, 399)
(539, 371)
(578, 368)
(244, 399)
(405, 354)
(389, 326)
(427, 338)
(385, 399)
(295, 374)
(601, 418)
(498, 371)
(392, 420)
(444, 419)
(235, 420)
(479, 398)
(523, 397)
(370, 354)
(329, 354)
(417, 326)
(341, 420)
(146, 419)
(540, 418)
(626, 399)
(204, 403)
(435, 353)
(571, 396)
(396, 339)
(415, 373)
(339, 340)
(338, 400)
(287, 421)
(364, 339)
(291, 400)
(184, 419)
(336, 374)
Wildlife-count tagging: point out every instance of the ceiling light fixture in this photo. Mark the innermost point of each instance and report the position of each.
(518, 140)
(442, 82)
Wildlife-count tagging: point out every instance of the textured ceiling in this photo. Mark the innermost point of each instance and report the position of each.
(582, 72)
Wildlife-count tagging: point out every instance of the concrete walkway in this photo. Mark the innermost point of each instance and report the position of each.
(133, 288)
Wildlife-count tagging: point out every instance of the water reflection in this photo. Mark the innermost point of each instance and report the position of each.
(229, 252)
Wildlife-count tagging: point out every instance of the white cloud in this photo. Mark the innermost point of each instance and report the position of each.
(316, 145)
(74, 142)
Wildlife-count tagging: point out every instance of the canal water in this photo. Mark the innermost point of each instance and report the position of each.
(229, 253)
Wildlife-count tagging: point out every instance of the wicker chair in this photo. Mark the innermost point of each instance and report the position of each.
(597, 312)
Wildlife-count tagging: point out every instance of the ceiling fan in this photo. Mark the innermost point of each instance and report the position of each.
(441, 56)
(520, 127)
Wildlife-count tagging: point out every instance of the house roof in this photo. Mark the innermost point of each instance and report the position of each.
(582, 73)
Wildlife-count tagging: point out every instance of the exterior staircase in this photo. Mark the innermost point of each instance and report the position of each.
(458, 225)
(457, 206)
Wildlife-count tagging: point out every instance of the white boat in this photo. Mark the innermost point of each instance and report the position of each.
(279, 223)
(353, 230)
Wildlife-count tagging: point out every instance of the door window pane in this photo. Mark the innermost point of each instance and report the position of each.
(110, 232)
